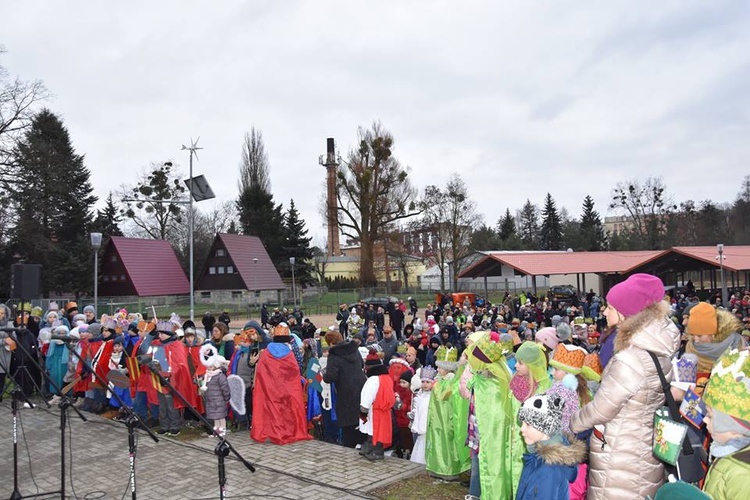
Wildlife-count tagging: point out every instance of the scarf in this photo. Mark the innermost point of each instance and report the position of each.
(210, 373)
(719, 450)
(712, 351)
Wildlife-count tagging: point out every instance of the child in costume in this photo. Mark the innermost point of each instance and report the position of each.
(401, 374)
(248, 345)
(550, 463)
(118, 362)
(727, 399)
(420, 413)
(376, 402)
(566, 363)
(447, 455)
(531, 372)
(278, 401)
(493, 435)
(215, 388)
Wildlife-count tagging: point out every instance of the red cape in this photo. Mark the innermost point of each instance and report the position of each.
(180, 378)
(278, 402)
(382, 426)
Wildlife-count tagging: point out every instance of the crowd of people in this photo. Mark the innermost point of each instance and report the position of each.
(534, 397)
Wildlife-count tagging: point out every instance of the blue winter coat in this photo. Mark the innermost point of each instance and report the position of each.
(548, 472)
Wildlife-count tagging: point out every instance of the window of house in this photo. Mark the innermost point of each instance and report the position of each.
(220, 252)
(230, 269)
(122, 277)
(206, 295)
(236, 294)
(221, 269)
(212, 270)
(113, 258)
(105, 277)
(114, 277)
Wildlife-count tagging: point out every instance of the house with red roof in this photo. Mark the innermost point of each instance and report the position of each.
(238, 268)
(141, 268)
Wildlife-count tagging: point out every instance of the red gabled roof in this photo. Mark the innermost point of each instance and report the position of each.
(547, 263)
(152, 266)
(736, 257)
(242, 250)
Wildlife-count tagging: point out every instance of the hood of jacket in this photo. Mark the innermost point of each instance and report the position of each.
(728, 324)
(347, 350)
(565, 453)
(650, 330)
(7, 321)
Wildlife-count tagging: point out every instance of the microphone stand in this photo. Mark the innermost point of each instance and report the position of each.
(222, 449)
(131, 421)
(18, 395)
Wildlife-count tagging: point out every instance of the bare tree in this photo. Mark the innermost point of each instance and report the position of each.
(18, 102)
(450, 217)
(206, 225)
(373, 192)
(648, 208)
(151, 212)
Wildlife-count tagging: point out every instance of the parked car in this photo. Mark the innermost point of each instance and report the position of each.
(564, 293)
(387, 303)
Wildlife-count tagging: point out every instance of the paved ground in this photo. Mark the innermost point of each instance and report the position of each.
(97, 464)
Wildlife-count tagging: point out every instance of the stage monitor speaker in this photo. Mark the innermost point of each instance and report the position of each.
(25, 280)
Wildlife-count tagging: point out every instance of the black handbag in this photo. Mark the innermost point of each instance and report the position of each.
(689, 467)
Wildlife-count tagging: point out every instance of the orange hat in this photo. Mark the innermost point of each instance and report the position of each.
(702, 320)
(592, 367)
(568, 358)
(411, 350)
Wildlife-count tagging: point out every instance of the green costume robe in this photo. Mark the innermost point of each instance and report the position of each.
(500, 443)
(447, 453)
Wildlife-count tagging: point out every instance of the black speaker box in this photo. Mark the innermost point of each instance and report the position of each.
(25, 280)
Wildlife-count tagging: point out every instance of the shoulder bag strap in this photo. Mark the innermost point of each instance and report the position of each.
(674, 412)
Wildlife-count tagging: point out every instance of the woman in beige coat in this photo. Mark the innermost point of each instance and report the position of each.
(622, 412)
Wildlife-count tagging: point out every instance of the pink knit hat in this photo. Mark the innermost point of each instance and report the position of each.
(548, 337)
(636, 293)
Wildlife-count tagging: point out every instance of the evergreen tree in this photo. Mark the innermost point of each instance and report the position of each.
(54, 206)
(484, 238)
(550, 234)
(297, 244)
(593, 235)
(506, 226)
(107, 220)
(528, 226)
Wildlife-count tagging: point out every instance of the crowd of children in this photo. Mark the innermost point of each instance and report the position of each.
(529, 409)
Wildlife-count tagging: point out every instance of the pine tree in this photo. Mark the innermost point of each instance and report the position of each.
(54, 206)
(528, 226)
(593, 235)
(550, 233)
(107, 219)
(297, 244)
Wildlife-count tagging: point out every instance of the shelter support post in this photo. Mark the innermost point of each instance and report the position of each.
(486, 296)
(533, 284)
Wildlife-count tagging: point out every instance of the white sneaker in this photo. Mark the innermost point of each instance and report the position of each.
(27, 405)
(55, 400)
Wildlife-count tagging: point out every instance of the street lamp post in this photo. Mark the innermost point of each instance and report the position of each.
(96, 243)
(720, 250)
(255, 281)
(292, 260)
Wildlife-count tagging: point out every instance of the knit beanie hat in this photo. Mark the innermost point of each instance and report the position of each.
(702, 320)
(563, 332)
(636, 293)
(728, 391)
(532, 355)
(372, 359)
(407, 375)
(548, 337)
(543, 413)
(568, 358)
(90, 309)
(556, 320)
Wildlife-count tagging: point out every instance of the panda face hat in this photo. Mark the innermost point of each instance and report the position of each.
(210, 357)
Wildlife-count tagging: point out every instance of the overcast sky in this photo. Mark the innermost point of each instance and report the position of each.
(521, 98)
